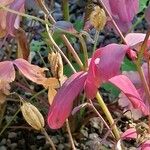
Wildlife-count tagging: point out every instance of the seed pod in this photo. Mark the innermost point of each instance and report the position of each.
(32, 115)
(98, 18)
(56, 64)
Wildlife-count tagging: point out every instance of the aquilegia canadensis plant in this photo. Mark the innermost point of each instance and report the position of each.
(104, 66)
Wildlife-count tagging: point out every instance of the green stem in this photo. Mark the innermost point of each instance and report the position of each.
(95, 40)
(108, 115)
(73, 52)
(143, 48)
(25, 15)
(144, 82)
(65, 9)
(137, 22)
(138, 64)
(59, 50)
(69, 46)
(7, 125)
(84, 47)
(43, 61)
(42, 58)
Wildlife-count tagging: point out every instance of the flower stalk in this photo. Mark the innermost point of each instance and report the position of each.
(65, 9)
(108, 116)
(84, 47)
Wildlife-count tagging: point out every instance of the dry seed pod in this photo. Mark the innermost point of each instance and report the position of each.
(32, 115)
(60, 66)
(98, 18)
(56, 64)
(51, 94)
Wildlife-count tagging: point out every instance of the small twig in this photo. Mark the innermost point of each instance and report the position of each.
(99, 115)
(59, 50)
(95, 40)
(70, 135)
(66, 41)
(84, 47)
(108, 115)
(48, 139)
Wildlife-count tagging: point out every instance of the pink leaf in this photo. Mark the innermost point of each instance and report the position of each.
(32, 72)
(145, 145)
(126, 86)
(129, 134)
(63, 101)
(133, 39)
(7, 71)
(11, 18)
(122, 11)
(78, 108)
(105, 64)
(127, 106)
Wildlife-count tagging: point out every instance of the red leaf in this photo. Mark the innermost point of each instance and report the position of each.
(32, 72)
(133, 39)
(105, 64)
(12, 19)
(63, 101)
(122, 11)
(7, 71)
(129, 134)
(126, 86)
(145, 145)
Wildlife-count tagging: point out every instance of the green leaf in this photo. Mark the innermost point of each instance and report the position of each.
(59, 26)
(128, 65)
(142, 4)
(111, 88)
(78, 25)
(67, 70)
(36, 45)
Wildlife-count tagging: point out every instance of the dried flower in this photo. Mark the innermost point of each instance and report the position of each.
(51, 84)
(98, 18)
(32, 115)
(56, 64)
(57, 72)
(23, 46)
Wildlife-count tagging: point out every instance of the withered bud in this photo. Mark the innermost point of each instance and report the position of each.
(23, 46)
(32, 115)
(98, 18)
(56, 64)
